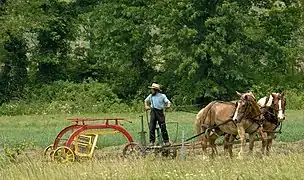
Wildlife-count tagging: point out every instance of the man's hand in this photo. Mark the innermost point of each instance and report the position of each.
(147, 108)
(168, 106)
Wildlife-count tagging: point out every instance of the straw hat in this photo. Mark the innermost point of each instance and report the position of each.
(155, 86)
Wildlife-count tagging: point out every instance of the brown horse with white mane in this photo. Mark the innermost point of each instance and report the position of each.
(235, 118)
(273, 110)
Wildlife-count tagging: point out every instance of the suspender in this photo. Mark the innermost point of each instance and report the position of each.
(151, 101)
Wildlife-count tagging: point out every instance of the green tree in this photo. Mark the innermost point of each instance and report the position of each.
(212, 48)
(53, 42)
(13, 75)
(118, 33)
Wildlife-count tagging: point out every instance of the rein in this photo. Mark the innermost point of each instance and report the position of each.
(192, 112)
(248, 103)
(182, 108)
(279, 131)
(208, 128)
(246, 110)
(268, 110)
(277, 123)
(271, 113)
(276, 119)
(255, 121)
(253, 118)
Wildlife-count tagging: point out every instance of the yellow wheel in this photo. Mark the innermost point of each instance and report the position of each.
(133, 151)
(48, 150)
(63, 154)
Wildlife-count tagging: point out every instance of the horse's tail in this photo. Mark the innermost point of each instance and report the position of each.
(201, 116)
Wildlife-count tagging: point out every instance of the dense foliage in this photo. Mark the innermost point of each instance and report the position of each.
(198, 50)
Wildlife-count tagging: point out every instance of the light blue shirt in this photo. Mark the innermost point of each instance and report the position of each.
(158, 101)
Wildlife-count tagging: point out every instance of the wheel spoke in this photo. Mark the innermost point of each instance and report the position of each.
(70, 155)
(133, 150)
(63, 154)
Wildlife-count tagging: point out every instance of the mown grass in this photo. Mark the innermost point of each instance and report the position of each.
(288, 166)
(286, 162)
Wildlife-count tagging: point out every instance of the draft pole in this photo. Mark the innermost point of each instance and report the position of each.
(142, 133)
(183, 144)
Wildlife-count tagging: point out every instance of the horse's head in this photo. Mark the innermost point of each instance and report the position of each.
(279, 105)
(246, 107)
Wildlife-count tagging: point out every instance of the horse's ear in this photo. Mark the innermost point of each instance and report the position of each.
(274, 95)
(250, 92)
(282, 94)
(239, 94)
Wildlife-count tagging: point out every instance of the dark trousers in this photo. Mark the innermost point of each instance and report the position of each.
(158, 116)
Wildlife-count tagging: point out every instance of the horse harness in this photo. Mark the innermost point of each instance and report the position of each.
(272, 118)
(253, 119)
(270, 111)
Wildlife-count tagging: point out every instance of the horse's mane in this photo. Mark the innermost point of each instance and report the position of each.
(254, 104)
(228, 102)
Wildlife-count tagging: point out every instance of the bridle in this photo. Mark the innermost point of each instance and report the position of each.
(280, 106)
(275, 110)
(275, 116)
(245, 113)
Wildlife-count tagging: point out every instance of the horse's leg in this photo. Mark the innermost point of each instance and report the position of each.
(231, 139)
(226, 143)
(204, 146)
(251, 142)
(264, 143)
(241, 132)
(270, 137)
(212, 140)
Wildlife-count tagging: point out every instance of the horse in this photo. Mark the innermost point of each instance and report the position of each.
(273, 110)
(234, 118)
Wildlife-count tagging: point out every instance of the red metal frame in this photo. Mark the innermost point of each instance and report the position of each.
(96, 119)
(83, 120)
(78, 128)
(100, 126)
(62, 132)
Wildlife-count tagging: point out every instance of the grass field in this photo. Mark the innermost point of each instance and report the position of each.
(286, 162)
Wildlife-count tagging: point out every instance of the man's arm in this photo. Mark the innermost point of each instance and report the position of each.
(147, 103)
(167, 102)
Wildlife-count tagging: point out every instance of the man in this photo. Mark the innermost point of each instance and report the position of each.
(157, 102)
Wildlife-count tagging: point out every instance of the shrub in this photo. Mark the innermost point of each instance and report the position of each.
(13, 151)
(69, 97)
(295, 99)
